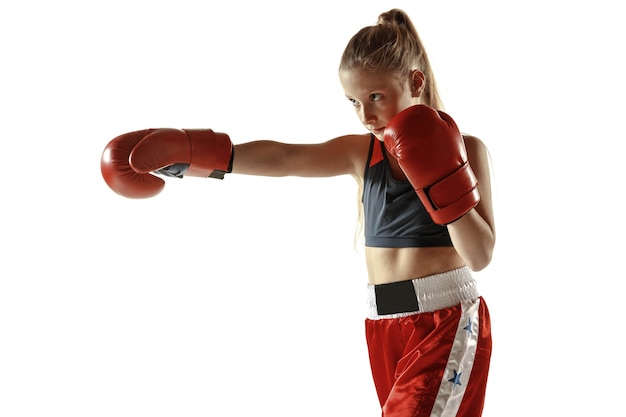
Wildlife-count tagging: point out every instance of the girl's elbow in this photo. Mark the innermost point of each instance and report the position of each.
(480, 261)
(479, 266)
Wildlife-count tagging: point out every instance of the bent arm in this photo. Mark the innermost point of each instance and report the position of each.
(339, 156)
(473, 235)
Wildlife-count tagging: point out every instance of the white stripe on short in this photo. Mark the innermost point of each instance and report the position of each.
(460, 362)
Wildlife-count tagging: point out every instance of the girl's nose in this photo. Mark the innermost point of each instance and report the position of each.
(366, 115)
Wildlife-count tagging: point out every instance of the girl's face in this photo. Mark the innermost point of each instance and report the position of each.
(378, 97)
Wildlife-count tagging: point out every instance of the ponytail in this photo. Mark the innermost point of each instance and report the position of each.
(392, 45)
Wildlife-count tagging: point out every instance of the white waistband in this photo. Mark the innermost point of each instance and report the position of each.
(433, 292)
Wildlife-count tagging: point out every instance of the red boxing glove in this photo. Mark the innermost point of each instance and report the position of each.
(431, 152)
(128, 159)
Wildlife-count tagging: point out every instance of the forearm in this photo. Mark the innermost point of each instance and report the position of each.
(339, 156)
(473, 239)
(263, 157)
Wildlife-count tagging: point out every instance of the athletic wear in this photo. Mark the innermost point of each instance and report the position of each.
(433, 360)
(394, 215)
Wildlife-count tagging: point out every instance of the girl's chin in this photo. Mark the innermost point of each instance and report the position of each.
(378, 133)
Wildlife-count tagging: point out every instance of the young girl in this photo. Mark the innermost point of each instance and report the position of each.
(426, 206)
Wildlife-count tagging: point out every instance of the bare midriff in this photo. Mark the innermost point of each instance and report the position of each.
(385, 265)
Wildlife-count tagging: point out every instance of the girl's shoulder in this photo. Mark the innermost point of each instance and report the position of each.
(356, 148)
(352, 145)
(475, 146)
(471, 140)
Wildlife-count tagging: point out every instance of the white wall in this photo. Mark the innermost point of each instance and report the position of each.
(246, 295)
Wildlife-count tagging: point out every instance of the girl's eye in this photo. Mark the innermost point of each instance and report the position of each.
(375, 96)
(354, 102)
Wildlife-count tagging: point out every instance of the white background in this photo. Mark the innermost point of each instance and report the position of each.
(246, 296)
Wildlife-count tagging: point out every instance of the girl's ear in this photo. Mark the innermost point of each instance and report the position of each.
(417, 83)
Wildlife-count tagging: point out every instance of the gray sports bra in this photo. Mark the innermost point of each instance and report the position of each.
(394, 215)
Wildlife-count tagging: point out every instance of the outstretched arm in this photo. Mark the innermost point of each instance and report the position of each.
(339, 156)
(129, 160)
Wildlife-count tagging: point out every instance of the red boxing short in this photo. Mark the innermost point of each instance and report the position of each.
(429, 344)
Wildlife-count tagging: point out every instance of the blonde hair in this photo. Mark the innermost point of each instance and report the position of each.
(391, 46)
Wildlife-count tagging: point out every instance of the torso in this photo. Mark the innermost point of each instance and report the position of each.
(386, 265)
